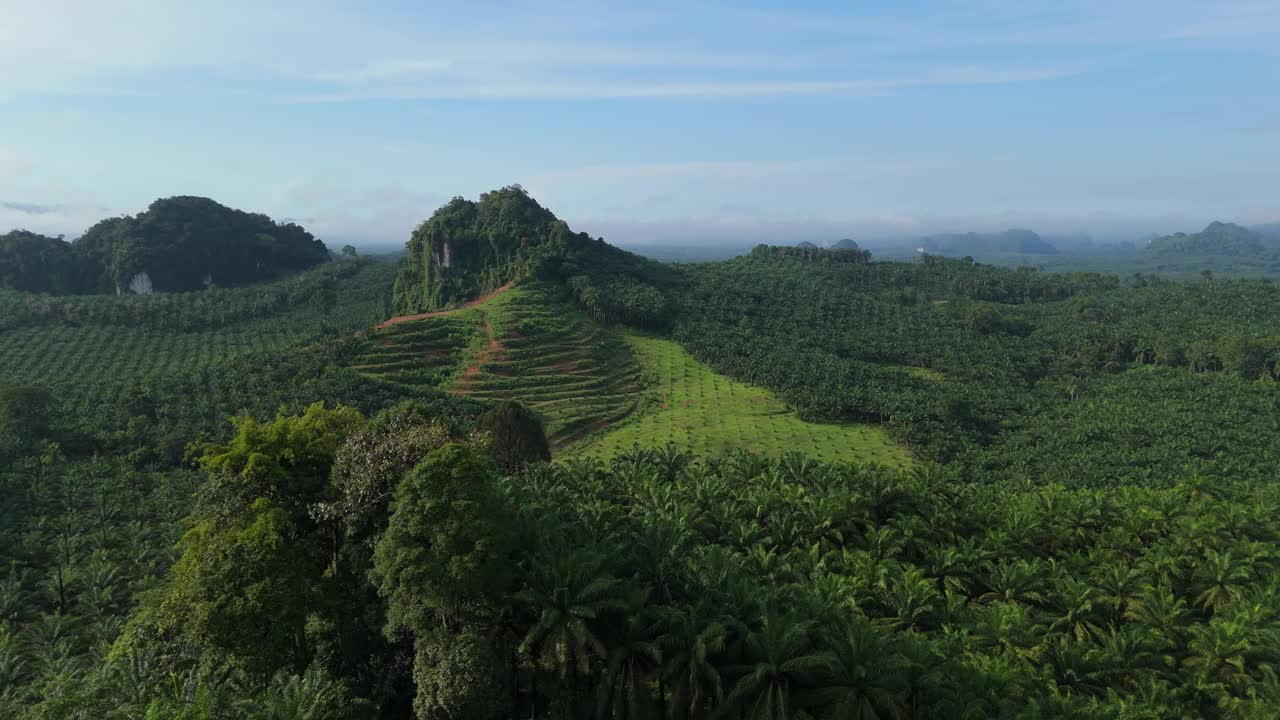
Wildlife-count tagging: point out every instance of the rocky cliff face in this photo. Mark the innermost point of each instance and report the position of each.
(141, 284)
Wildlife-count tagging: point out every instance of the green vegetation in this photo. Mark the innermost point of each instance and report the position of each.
(690, 406)
(1050, 495)
(421, 353)
(179, 243)
(468, 249)
(1217, 239)
(577, 375)
(90, 350)
(35, 263)
(527, 344)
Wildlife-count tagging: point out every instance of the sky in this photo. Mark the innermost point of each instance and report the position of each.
(657, 122)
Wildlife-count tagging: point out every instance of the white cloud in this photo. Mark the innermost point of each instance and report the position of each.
(68, 219)
(632, 177)
(337, 51)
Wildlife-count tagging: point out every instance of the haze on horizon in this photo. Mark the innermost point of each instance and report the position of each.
(676, 122)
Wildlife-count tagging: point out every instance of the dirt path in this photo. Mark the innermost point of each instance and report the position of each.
(439, 313)
(493, 350)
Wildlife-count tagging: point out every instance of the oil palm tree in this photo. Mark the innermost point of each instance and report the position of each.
(1221, 652)
(860, 677)
(779, 656)
(312, 696)
(570, 593)
(1016, 583)
(633, 659)
(1160, 609)
(692, 645)
(1221, 578)
(1076, 610)
(913, 597)
(1117, 586)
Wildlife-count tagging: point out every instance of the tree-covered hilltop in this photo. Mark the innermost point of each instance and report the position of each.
(178, 244)
(185, 243)
(1218, 238)
(468, 249)
(36, 263)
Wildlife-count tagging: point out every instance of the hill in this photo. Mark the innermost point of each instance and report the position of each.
(845, 244)
(529, 343)
(177, 244)
(468, 249)
(36, 263)
(1019, 242)
(1218, 239)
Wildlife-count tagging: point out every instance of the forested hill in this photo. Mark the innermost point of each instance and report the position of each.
(1218, 238)
(467, 249)
(177, 244)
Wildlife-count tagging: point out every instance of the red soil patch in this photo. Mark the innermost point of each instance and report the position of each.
(423, 316)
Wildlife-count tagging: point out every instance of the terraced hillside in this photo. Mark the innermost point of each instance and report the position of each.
(528, 343)
(548, 354)
(423, 352)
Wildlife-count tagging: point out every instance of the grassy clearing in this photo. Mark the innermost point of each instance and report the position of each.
(693, 407)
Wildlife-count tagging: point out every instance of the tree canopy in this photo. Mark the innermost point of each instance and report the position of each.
(177, 244)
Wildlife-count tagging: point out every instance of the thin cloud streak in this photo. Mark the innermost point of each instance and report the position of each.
(605, 174)
(940, 77)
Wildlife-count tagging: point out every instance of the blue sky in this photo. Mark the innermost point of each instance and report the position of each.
(649, 122)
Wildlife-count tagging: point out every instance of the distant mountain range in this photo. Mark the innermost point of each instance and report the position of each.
(1220, 246)
(843, 244)
(1013, 241)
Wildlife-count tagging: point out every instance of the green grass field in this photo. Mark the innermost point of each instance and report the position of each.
(693, 407)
